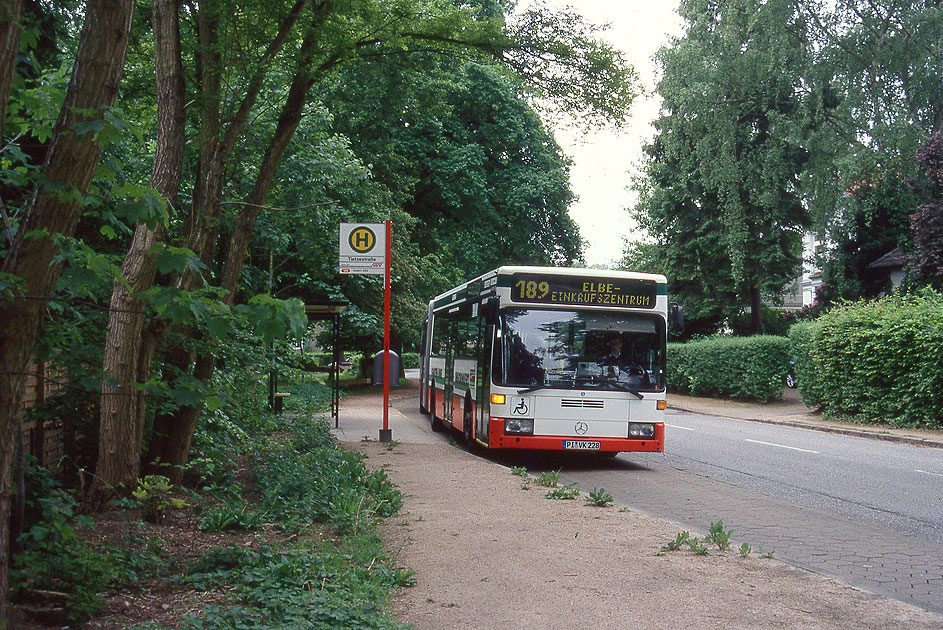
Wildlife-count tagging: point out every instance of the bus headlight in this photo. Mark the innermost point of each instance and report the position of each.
(518, 426)
(641, 430)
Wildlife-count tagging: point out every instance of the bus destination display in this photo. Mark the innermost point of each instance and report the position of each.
(574, 290)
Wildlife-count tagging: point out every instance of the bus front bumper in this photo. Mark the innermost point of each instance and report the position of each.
(497, 438)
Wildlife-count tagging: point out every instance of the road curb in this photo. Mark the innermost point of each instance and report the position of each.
(872, 435)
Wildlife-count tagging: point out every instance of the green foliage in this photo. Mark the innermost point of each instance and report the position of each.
(803, 341)
(549, 479)
(879, 361)
(228, 516)
(927, 222)
(697, 546)
(599, 497)
(310, 587)
(54, 559)
(410, 360)
(745, 550)
(742, 367)
(311, 479)
(719, 536)
(679, 541)
(154, 495)
(719, 194)
(564, 492)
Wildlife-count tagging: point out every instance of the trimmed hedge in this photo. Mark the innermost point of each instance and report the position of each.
(803, 337)
(739, 367)
(878, 361)
(410, 360)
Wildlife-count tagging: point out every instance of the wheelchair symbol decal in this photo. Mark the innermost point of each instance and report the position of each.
(521, 408)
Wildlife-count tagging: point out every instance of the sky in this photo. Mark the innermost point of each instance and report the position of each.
(604, 161)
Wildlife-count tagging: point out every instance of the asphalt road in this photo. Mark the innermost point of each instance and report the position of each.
(890, 485)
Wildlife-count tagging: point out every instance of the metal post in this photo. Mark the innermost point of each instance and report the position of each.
(386, 435)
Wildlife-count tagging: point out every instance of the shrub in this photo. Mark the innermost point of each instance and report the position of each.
(803, 337)
(881, 360)
(54, 560)
(313, 480)
(410, 360)
(741, 367)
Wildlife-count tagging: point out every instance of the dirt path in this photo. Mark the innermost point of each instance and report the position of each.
(489, 554)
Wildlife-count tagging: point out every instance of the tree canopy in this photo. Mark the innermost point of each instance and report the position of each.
(780, 118)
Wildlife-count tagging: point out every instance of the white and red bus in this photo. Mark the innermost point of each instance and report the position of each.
(550, 359)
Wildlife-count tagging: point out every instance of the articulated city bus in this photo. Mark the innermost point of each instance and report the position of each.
(550, 359)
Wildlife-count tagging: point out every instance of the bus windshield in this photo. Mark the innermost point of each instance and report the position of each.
(582, 349)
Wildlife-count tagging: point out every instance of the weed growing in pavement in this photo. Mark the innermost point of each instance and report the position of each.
(697, 547)
(765, 554)
(745, 550)
(520, 471)
(568, 491)
(719, 536)
(680, 540)
(599, 497)
(549, 479)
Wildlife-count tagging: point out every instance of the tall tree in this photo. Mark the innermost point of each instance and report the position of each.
(730, 150)
(52, 213)
(123, 405)
(927, 222)
(230, 112)
(878, 71)
(10, 27)
(471, 162)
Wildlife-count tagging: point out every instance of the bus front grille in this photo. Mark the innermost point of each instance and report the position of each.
(580, 403)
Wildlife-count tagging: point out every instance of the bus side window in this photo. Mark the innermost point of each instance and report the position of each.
(497, 365)
(440, 336)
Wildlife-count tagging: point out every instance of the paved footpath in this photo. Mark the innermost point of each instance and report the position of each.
(875, 559)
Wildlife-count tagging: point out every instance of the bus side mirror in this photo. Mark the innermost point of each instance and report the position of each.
(491, 311)
(676, 316)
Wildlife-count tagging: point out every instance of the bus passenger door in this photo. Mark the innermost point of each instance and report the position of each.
(449, 373)
(483, 373)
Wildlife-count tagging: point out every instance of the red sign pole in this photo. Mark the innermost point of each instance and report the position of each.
(386, 435)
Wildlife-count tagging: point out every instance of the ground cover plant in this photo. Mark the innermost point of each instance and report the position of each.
(275, 528)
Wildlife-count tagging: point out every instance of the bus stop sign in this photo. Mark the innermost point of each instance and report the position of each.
(362, 248)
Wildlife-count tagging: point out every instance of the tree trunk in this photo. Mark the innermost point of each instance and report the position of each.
(70, 163)
(170, 442)
(127, 353)
(10, 13)
(756, 309)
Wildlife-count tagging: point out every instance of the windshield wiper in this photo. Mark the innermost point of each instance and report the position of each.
(535, 388)
(626, 388)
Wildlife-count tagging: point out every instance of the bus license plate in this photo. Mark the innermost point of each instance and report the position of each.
(581, 445)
